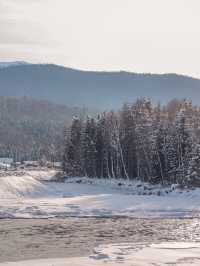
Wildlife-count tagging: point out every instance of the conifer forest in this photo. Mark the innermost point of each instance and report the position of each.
(152, 143)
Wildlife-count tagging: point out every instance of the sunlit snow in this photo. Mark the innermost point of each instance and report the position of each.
(29, 196)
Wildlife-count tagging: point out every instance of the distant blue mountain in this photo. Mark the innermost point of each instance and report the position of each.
(16, 63)
(93, 89)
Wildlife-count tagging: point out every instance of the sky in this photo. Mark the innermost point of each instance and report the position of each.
(154, 36)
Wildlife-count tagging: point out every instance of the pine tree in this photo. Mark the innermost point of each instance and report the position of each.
(153, 144)
(72, 155)
(89, 148)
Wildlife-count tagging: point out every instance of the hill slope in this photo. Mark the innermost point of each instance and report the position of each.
(95, 89)
(31, 129)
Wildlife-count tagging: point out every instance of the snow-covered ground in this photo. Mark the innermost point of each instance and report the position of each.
(31, 196)
(180, 254)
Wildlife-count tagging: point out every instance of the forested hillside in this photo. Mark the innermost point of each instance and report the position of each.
(31, 129)
(104, 90)
(142, 141)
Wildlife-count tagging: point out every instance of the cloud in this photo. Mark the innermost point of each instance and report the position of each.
(137, 35)
(19, 23)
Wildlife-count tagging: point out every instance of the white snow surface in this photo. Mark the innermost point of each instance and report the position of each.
(33, 196)
(179, 254)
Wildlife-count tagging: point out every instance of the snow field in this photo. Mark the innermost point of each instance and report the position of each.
(31, 196)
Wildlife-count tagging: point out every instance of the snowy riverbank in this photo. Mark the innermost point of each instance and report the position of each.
(31, 196)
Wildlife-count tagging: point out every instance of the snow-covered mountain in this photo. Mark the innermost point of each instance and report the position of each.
(15, 63)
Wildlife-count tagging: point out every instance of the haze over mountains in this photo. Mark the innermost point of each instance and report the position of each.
(32, 129)
(15, 63)
(103, 90)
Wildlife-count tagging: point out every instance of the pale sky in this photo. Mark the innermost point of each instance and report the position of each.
(156, 36)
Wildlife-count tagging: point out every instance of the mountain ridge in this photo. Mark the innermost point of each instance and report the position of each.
(21, 63)
(102, 89)
(4, 64)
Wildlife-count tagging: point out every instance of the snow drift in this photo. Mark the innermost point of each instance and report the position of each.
(28, 184)
(21, 186)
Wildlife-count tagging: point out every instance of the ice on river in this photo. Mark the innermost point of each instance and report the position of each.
(32, 196)
(180, 254)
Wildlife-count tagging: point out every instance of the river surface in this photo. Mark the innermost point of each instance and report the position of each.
(24, 239)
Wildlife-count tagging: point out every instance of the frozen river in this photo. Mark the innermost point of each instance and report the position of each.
(77, 237)
(84, 222)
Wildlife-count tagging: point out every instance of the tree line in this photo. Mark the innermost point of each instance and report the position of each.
(151, 143)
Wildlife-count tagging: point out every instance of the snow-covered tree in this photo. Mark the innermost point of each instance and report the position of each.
(72, 154)
(152, 143)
